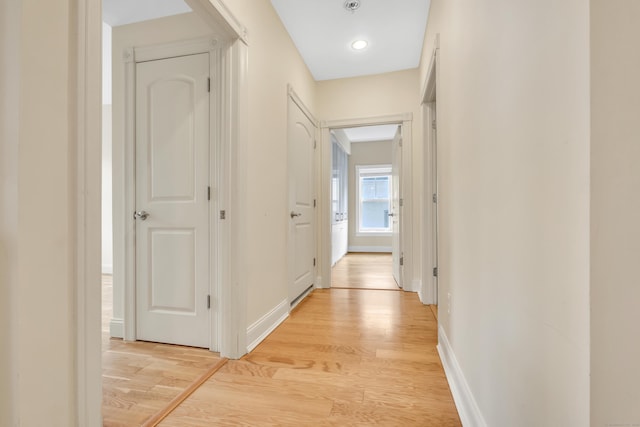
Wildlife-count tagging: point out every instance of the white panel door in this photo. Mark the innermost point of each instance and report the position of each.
(172, 207)
(301, 215)
(396, 208)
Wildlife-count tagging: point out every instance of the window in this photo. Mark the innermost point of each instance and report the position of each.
(374, 198)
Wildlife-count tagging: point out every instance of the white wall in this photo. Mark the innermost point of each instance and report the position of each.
(106, 64)
(615, 202)
(274, 62)
(364, 154)
(9, 280)
(37, 211)
(513, 136)
(107, 207)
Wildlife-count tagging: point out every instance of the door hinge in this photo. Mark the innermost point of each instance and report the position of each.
(314, 144)
(433, 124)
(208, 193)
(223, 214)
(435, 198)
(435, 271)
(314, 262)
(208, 84)
(208, 301)
(314, 203)
(402, 260)
(401, 201)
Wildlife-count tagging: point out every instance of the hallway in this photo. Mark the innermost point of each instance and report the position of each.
(343, 357)
(364, 271)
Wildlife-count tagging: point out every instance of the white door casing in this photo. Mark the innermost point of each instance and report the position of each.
(172, 180)
(434, 202)
(301, 213)
(396, 206)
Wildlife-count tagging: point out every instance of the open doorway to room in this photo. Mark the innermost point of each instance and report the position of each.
(365, 207)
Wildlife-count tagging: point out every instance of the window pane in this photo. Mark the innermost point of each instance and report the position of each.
(375, 214)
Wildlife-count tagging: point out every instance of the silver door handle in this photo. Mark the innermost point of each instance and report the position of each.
(390, 214)
(295, 214)
(140, 214)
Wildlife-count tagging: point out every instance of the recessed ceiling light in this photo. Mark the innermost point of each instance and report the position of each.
(359, 44)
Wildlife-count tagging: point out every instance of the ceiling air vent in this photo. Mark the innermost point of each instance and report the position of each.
(352, 5)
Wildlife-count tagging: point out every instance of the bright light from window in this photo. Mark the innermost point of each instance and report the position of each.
(374, 199)
(359, 44)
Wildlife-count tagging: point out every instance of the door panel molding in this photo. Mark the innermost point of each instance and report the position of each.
(300, 204)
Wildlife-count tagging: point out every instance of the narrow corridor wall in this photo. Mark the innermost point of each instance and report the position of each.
(513, 139)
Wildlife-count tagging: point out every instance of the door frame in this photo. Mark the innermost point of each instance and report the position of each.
(87, 51)
(131, 57)
(324, 206)
(429, 290)
(293, 97)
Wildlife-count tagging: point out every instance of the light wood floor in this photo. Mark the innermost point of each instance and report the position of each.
(344, 357)
(140, 378)
(364, 271)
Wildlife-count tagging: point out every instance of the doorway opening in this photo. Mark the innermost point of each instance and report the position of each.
(364, 211)
(365, 187)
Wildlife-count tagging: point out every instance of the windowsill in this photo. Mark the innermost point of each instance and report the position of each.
(373, 234)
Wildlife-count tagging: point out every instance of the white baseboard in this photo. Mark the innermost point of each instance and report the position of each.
(259, 330)
(116, 328)
(107, 269)
(381, 249)
(468, 409)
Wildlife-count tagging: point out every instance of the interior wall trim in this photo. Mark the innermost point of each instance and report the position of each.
(262, 327)
(468, 409)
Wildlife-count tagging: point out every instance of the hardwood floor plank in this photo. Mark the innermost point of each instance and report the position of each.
(364, 271)
(140, 378)
(344, 357)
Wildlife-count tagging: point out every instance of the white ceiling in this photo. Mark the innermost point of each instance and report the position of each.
(323, 31)
(371, 133)
(121, 12)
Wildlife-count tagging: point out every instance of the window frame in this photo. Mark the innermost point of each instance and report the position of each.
(364, 171)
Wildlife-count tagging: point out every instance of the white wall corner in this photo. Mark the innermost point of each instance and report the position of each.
(424, 294)
(259, 330)
(320, 285)
(416, 285)
(468, 409)
(116, 328)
